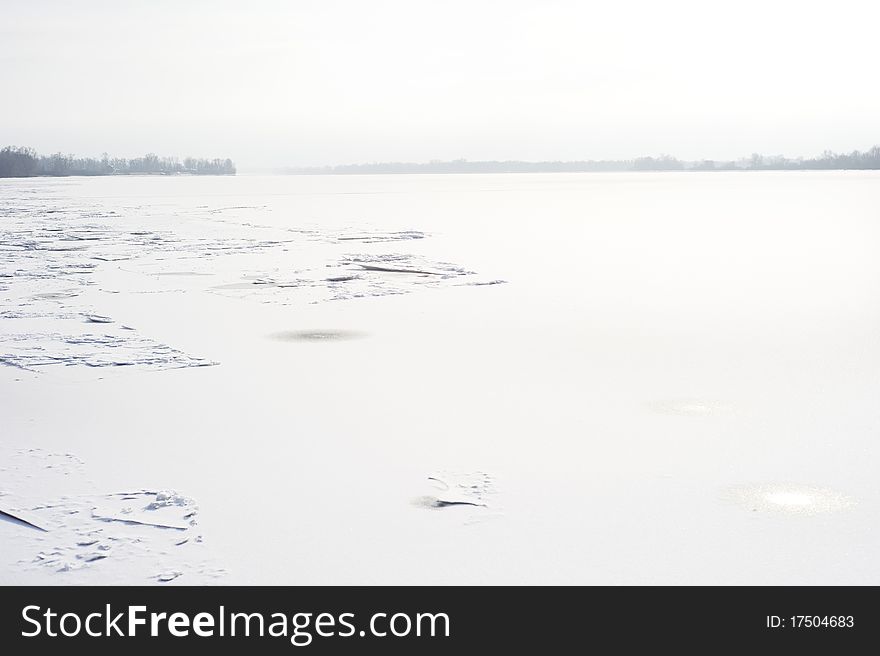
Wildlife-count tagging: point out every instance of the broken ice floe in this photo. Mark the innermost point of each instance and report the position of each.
(164, 509)
(456, 489)
(55, 250)
(403, 263)
(381, 237)
(349, 277)
(49, 260)
(142, 525)
(34, 351)
(130, 537)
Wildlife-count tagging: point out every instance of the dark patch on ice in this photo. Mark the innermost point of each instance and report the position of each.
(434, 502)
(317, 335)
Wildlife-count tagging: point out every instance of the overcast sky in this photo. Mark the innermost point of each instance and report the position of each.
(337, 81)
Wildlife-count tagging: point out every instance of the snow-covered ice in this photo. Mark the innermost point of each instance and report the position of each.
(572, 378)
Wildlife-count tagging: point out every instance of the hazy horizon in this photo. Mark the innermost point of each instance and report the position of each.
(325, 83)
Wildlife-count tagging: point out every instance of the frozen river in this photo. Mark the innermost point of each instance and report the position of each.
(552, 378)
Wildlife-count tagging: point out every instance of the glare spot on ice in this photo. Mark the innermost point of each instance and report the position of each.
(791, 499)
(690, 407)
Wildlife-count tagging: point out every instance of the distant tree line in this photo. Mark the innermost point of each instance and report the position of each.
(25, 162)
(869, 159)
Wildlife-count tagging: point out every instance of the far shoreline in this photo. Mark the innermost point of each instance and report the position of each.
(43, 176)
(542, 172)
(828, 161)
(24, 162)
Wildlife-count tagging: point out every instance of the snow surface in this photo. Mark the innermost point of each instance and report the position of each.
(579, 378)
